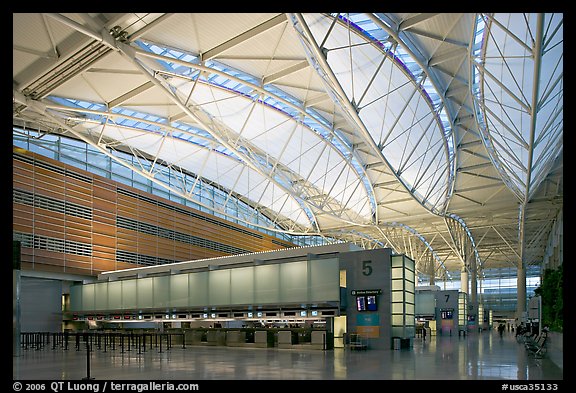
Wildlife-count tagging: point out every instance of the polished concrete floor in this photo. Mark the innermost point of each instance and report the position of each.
(481, 356)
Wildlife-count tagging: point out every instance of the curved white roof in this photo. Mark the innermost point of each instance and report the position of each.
(420, 132)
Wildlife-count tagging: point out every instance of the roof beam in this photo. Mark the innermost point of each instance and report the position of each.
(456, 52)
(413, 21)
(316, 100)
(437, 37)
(261, 28)
(134, 92)
(286, 71)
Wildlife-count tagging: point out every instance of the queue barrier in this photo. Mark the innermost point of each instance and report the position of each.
(141, 340)
(102, 340)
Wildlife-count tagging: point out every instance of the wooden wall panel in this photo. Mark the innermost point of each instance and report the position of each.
(50, 218)
(48, 190)
(101, 235)
(75, 261)
(47, 267)
(99, 229)
(103, 265)
(78, 222)
(49, 257)
(103, 216)
(78, 199)
(55, 232)
(78, 268)
(104, 207)
(23, 183)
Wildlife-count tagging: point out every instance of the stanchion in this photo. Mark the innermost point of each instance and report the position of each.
(87, 357)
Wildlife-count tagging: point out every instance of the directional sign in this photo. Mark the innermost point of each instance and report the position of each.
(357, 292)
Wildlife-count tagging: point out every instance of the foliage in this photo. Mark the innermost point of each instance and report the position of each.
(551, 291)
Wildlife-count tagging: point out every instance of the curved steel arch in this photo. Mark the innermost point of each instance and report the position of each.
(47, 108)
(510, 120)
(378, 18)
(249, 155)
(365, 239)
(317, 59)
(343, 148)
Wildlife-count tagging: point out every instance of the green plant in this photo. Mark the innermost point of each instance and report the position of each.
(551, 291)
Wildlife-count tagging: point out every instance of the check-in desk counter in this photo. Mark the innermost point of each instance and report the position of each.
(235, 338)
(263, 339)
(319, 340)
(216, 337)
(287, 338)
(316, 339)
(195, 336)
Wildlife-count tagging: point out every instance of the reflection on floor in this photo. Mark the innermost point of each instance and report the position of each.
(478, 356)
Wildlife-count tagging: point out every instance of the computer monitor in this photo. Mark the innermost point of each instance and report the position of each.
(361, 303)
(366, 303)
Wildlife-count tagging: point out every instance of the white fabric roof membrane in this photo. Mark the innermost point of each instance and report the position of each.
(393, 107)
(212, 165)
(517, 129)
(285, 140)
(237, 99)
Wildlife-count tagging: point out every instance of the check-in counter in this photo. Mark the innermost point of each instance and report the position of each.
(285, 338)
(235, 338)
(194, 337)
(263, 339)
(319, 340)
(216, 337)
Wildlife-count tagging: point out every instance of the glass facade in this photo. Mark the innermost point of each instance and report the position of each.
(210, 198)
(497, 290)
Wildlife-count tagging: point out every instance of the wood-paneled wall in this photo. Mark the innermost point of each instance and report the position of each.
(73, 221)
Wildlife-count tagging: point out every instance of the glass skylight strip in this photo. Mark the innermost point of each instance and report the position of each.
(417, 72)
(269, 100)
(412, 69)
(233, 85)
(506, 120)
(243, 211)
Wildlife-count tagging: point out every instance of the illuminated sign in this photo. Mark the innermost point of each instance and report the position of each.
(358, 292)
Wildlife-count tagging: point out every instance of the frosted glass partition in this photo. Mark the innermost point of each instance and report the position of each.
(145, 293)
(129, 294)
(480, 314)
(161, 291)
(462, 310)
(101, 294)
(267, 282)
(198, 289)
(403, 299)
(301, 282)
(219, 287)
(114, 295)
(294, 282)
(425, 303)
(88, 297)
(397, 297)
(322, 275)
(242, 285)
(179, 290)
